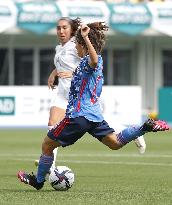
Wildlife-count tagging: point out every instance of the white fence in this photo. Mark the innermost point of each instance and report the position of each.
(28, 106)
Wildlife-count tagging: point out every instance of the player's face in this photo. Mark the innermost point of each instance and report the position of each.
(64, 31)
(79, 49)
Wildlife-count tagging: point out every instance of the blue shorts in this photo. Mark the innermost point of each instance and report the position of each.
(69, 130)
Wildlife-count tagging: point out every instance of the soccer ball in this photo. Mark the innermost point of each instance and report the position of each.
(61, 178)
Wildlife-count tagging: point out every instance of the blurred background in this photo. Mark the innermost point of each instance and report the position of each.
(137, 57)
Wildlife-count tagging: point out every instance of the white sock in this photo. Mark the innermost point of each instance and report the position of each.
(141, 144)
(55, 156)
(50, 127)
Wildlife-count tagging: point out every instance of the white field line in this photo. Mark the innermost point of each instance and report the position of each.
(103, 162)
(32, 157)
(92, 155)
(118, 163)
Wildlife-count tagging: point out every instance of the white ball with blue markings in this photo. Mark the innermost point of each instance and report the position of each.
(61, 178)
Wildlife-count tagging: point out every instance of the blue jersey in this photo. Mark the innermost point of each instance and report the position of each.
(85, 90)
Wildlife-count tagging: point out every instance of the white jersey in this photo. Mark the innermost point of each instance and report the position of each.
(66, 59)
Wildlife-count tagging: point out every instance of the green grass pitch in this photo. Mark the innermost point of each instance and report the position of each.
(102, 176)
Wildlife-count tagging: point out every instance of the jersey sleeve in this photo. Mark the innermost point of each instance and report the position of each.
(73, 59)
(96, 81)
(98, 68)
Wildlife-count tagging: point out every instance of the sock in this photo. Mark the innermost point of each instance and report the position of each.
(55, 156)
(50, 127)
(44, 166)
(129, 134)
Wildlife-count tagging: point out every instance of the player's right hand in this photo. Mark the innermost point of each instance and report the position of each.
(84, 30)
(65, 74)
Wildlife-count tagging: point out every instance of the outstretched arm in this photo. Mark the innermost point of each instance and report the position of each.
(92, 52)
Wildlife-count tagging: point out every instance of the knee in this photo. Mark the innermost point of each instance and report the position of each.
(114, 147)
(111, 142)
(51, 122)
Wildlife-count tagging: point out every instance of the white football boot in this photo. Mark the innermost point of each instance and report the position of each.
(141, 145)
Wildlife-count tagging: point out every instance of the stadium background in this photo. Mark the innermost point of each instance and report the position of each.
(138, 70)
(138, 50)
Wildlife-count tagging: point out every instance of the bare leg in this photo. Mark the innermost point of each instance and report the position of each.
(56, 115)
(111, 141)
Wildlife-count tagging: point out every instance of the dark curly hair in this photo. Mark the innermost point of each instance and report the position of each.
(96, 36)
(73, 22)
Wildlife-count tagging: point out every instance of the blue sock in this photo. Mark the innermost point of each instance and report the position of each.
(129, 134)
(44, 166)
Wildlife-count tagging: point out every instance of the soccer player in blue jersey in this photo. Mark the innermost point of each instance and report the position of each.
(83, 112)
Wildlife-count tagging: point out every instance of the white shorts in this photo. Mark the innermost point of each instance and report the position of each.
(59, 101)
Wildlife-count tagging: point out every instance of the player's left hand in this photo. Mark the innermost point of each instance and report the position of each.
(84, 30)
(51, 82)
(65, 74)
